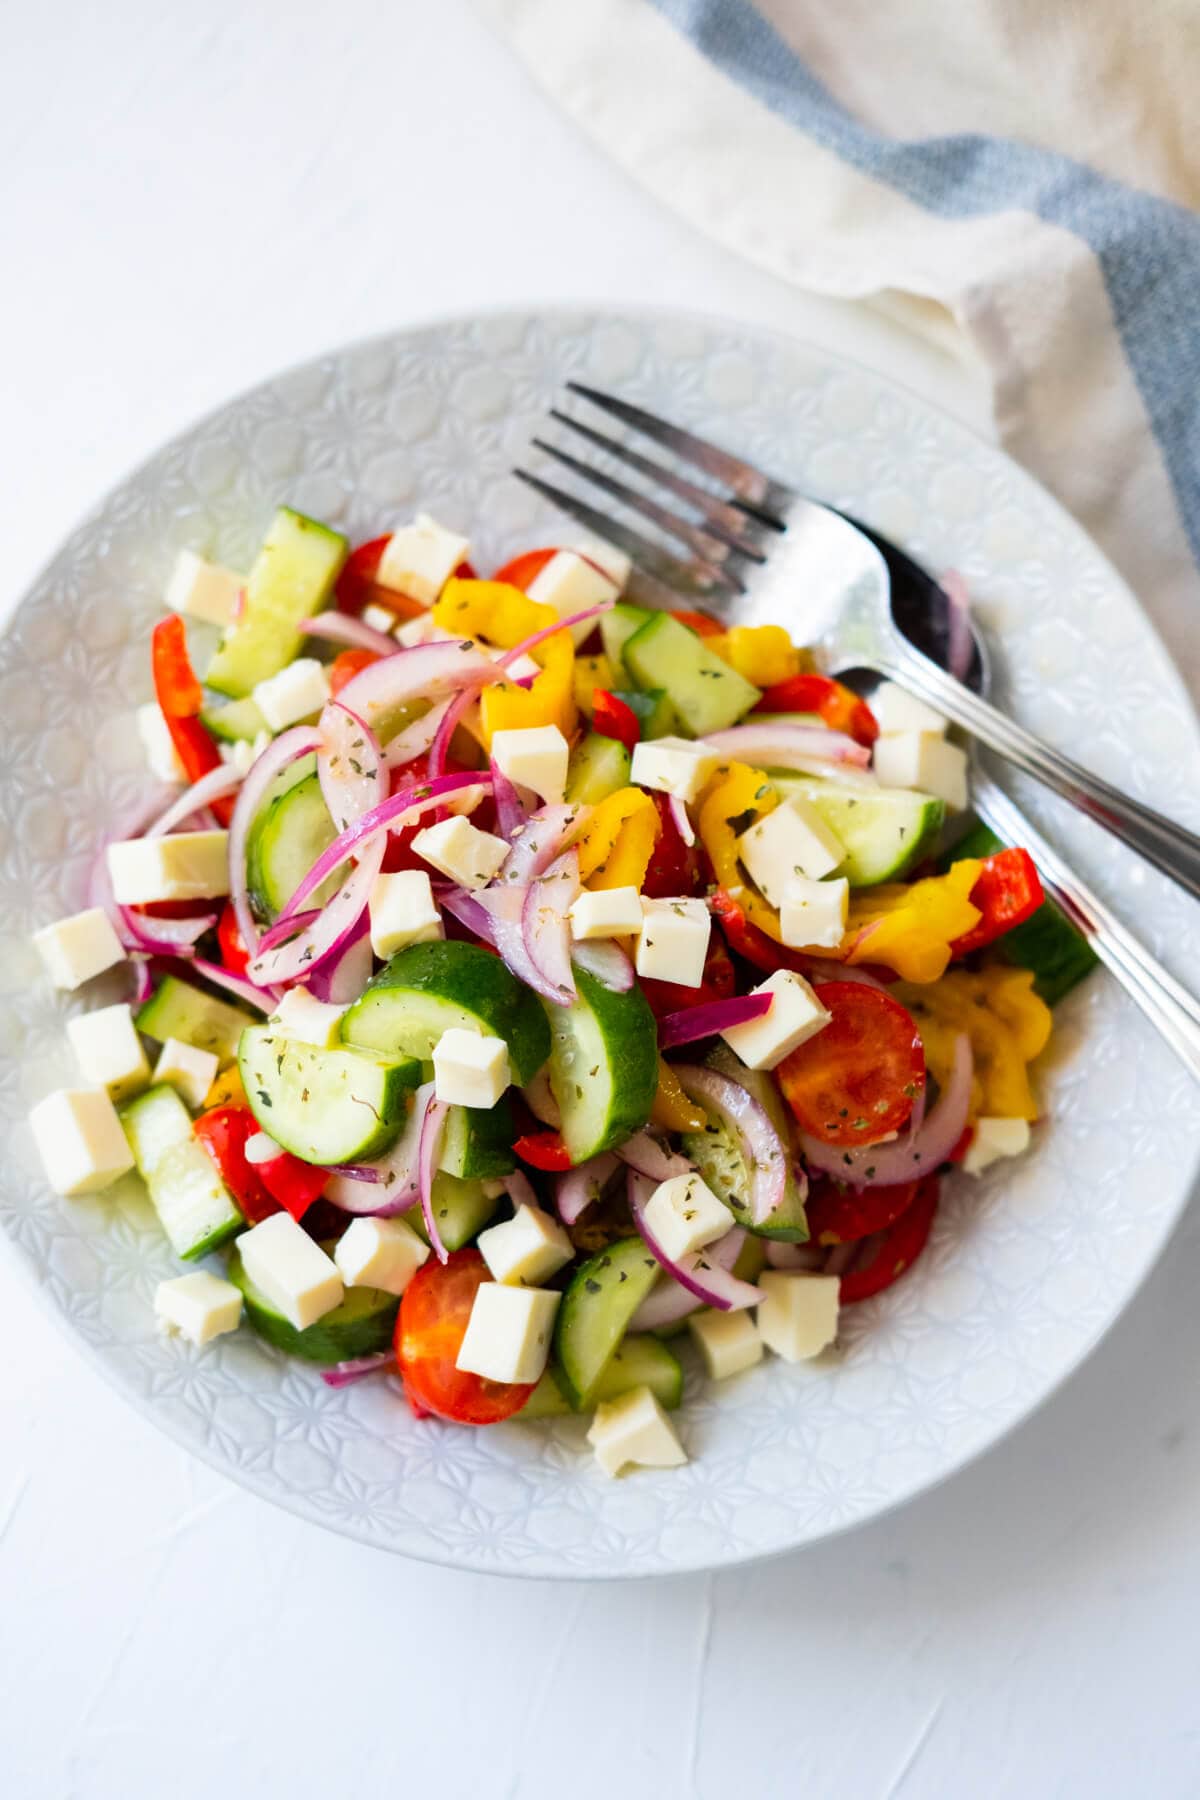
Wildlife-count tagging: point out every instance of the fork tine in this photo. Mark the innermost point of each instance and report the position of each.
(751, 486)
(706, 550)
(729, 523)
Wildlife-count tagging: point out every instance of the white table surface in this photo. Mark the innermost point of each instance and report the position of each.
(187, 203)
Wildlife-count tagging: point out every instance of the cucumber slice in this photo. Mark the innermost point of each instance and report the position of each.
(655, 714)
(618, 626)
(478, 1141)
(361, 1324)
(237, 719)
(292, 577)
(717, 1153)
(599, 766)
(1047, 943)
(284, 842)
(637, 1361)
(884, 830)
(601, 1298)
(706, 693)
(176, 1009)
(603, 1065)
(427, 988)
(195, 1208)
(461, 1208)
(326, 1106)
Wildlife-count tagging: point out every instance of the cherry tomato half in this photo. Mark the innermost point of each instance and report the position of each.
(520, 570)
(855, 1082)
(674, 866)
(430, 1328)
(891, 1253)
(346, 665)
(842, 1215)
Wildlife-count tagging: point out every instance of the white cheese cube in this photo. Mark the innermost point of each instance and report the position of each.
(795, 1015)
(420, 559)
(813, 913)
(109, 1050)
(421, 630)
(571, 585)
(77, 948)
(379, 1253)
(296, 693)
(728, 1341)
(379, 618)
(798, 1318)
(896, 709)
(243, 753)
(606, 913)
(470, 1069)
(634, 1429)
(187, 865)
(535, 756)
(309, 1021)
(925, 761)
(191, 1072)
(290, 1270)
(792, 840)
(673, 941)
(204, 589)
(80, 1140)
(683, 1214)
(508, 1333)
(527, 1249)
(673, 765)
(197, 1307)
(459, 850)
(993, 1139)
(161, 755)
(403, 911)
(615, 563)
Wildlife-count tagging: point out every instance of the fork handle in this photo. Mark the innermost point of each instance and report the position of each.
(1168, 846)
(1173, 1012)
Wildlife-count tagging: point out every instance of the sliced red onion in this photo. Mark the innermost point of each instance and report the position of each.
(416, 737)
(576, 1188)
(820, 970)
(213, 786)
(449, 723)
(696, 1022)
(519, 1189)
(397, 1173)
(429, 1150)
(284, 930)
(809, 748)
(342, 978)
(922, 1149)
(143, 980)
(263, 999)
(356, 1172)
(542, 837)
(466, 909)
(164, 937)
(796, 1256)
(511, 811)
(277, 756)
(340, 628)
(649, 1158)
(505, 907)
(549, 631)
(349, 764)
(681, 819)
(698, 1272)
(763, 1150)
(333, 929)
(343, 1374)
(546, 927)
(668, 1302)
(424, 672)
(606, 961)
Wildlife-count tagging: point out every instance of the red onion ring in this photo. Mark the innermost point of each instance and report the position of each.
(789, 746)
(276, 757)
(340, 628)
(450, 721)
(713, 1016)
(213, 786)
(519, 1189)
(284, 930)
(416, 737)
(143, 980)
(698, 1272)
(433, 1130)
(511, 811)
(466, 909)
(681, 820)
(545, 926)
(549, 631)
(165, 937)
(344, 1373)
(505, 907)
(397, 1172)
(649, 1158)
(605, 960)
(668, 1302)
(576, 1188)
(765, 1154)
(349, 765)
(342, 978)
(356, 1172)
(922, 1149)
(424, 672)
(262, 999)
(332, 930)
(542, 837)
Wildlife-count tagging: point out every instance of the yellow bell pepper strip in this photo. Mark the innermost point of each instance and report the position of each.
(502, 614)
(763, 654)
(226, 1090)
(735, 797)
(910, 927)
(592, 672)
(619, 839)
(490, 609)
(1007, 1023)
(672, 1110)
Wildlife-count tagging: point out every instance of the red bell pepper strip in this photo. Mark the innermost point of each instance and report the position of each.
(224, 1132)
(293, 1183)
(702, 623)
(356, 586)
(543, 1150)
(234, 954)
(746, 940)
(674, 867)
(840, 707)
(180, 698)
(1007, 892)
(893, 1252)
(612, 718)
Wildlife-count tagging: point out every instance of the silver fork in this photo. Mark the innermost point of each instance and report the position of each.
(758, 546)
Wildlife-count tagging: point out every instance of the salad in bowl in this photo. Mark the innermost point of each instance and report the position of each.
(530, 988)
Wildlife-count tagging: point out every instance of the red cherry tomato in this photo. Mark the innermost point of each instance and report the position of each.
(702, 623)
(429, 1332)
(840, 707)
(889, 1254)
(674, 866)
(224, 1132)
(841, 1215)
(543, 1150)
(346, 665)
(520, 570)
(234, 954)
(856, 1080)
(746, 940)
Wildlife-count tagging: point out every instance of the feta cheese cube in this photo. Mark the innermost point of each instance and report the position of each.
(290, 1270)
(813, 913)
(191, 1072)
(535, 756)
(243, 753)
(615, 563)
(925, 761)
(109, 1050)
(187, 865)
(420, 559)
(309, 1021)
(792, 840)
(508, 1333)
(634, 1429)
(403, 911)
(379, 1253)
(606, 913)
(571, 585)
(728, 1341)
(527, 1249)
(993, 1139)
(896, 709)
(197, 1307)
(470, 1069)
(161, 755)
(421, 630)
(795, 1015)
(459, 850)
(77, 948)
(80, 1140)
(673, 765)
(294, 694)
(683, 1214)
(673, 941)
(204, 589)
(379, 618)
(798, 1316)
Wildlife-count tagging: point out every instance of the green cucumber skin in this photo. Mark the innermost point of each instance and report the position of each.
(292, 577)
(194, 1207)
(601, 1298)
(636, 1362)
(428, 988)
(655, 714)
(478, 1141)
(884, 831)
(324, 1106)
(284, 842)
(602, 1036)
(618, 626)
(599, 767)
(721, 1163)
(1047, 943)
(460, 1207)
(176, 1009)
(706, 693)
(237, 721)
(362, 1324)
